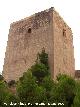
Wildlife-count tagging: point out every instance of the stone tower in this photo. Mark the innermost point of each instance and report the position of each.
(28, 36)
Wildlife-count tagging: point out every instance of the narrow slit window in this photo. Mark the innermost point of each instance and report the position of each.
(64, 32)
(29, 30)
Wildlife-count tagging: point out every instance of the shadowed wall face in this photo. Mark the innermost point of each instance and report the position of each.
(27, 37)
(63, 47)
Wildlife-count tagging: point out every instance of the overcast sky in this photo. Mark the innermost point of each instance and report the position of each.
(14, 10)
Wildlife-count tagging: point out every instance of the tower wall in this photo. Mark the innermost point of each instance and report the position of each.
(28, 36)
(63, 47)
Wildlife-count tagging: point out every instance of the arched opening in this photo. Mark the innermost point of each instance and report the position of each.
(29, 30)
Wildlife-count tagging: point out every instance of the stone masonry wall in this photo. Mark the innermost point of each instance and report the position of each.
(28, 36)
(63, 47)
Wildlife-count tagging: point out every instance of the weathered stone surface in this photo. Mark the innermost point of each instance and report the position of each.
(77, 74)
(28, 36)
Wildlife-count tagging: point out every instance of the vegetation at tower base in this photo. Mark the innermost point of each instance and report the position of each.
(5, 95)
(37, 86)
(11, 83)
(76, 102)
(39, 71)
(1, 77)
(3, 92)
(43, 58)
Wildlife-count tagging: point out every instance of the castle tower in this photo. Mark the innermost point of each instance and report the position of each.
(28, 36)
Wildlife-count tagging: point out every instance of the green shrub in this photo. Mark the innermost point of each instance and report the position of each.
(11, 83)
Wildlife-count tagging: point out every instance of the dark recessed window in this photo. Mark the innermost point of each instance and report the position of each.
(29, 30)
(64, 32)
